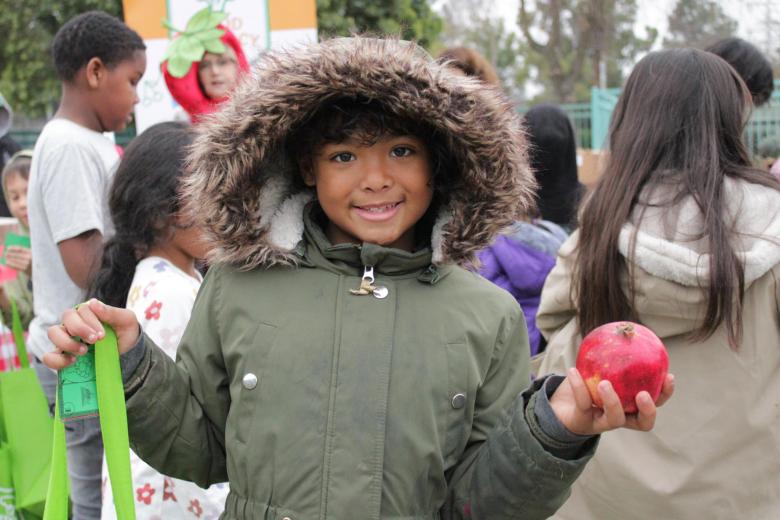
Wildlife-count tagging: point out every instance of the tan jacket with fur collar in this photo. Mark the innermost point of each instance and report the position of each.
(715, 450)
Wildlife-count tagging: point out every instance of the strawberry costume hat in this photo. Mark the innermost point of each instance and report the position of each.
(204, 33)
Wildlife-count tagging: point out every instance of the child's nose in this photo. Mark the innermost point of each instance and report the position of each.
(377, 176)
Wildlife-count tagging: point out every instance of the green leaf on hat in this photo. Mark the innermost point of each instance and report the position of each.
(214, 46)
(178, 66)
(201, 35)
(190, 48)
(210, 34)
(204, 19)
(172, 49)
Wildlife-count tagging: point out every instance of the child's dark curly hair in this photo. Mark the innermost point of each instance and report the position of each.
(144, 201)
(93, 34)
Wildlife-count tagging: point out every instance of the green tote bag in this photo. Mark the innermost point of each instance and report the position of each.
(113, 424)
(27, 427)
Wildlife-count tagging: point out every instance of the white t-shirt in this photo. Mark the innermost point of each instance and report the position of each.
(71, 173)
(162, 297)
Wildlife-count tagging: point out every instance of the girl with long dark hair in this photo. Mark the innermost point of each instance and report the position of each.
(682, 234)
(149, 267)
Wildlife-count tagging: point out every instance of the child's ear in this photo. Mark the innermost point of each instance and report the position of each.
(96, 70)
(307, 173)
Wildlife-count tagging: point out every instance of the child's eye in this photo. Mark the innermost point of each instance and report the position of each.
(401, 151)
(343, 157)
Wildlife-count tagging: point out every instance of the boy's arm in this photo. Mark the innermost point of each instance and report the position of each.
(80, 255)
(177, 411)
(506, 471)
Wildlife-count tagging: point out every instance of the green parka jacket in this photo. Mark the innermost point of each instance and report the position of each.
(317, 403)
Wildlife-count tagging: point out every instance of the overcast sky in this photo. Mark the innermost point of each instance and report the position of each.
(749, 13)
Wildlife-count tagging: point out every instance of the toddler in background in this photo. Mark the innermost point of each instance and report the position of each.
(19, 289)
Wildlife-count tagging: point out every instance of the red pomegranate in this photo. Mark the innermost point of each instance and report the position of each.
(629, 356)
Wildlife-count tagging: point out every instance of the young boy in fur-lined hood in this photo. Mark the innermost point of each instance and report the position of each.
(340, 361)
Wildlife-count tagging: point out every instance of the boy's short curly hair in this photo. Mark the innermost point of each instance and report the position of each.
(93, 34)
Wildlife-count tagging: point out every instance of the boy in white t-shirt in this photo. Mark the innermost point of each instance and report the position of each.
(100, 62)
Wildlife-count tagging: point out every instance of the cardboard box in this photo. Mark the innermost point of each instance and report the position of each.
(590, 164)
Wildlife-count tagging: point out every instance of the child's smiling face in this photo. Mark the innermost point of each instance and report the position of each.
(373, 193)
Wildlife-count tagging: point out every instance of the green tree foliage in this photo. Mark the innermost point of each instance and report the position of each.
(698, 23)
(571, 45)
(471, 23)
(27, 77)
(411, 19)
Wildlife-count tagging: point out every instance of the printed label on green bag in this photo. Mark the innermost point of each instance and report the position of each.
(77, 388)
(7, 509)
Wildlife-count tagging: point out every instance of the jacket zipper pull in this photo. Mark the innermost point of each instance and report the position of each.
(366, 283)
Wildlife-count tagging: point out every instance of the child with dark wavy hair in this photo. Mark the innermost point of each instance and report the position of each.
(149, 267)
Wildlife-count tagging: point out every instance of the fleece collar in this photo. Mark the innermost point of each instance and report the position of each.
(668, 242)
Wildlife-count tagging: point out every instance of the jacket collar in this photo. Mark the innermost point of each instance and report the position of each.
(351, 259)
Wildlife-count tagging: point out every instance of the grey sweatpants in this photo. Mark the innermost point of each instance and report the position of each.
(85, 454)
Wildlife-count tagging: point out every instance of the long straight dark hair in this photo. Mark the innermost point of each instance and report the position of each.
(680, 118)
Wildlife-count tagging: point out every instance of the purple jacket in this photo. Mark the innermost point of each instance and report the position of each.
(521, 270)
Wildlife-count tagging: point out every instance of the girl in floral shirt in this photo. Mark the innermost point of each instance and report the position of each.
(149, 266)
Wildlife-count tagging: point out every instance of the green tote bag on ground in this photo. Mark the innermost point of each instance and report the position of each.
(27, 427)
(113, 424)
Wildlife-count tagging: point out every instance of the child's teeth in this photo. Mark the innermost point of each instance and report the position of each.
(379, 209)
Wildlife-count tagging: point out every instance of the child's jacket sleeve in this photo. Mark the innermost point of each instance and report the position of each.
(193, 398)
(505, 472)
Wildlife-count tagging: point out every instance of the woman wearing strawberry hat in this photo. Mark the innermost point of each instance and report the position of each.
(203, 64)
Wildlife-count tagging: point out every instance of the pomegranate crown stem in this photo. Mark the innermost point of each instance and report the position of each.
(627, 330)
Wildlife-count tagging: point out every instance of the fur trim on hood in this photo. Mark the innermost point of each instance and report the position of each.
(241, 185)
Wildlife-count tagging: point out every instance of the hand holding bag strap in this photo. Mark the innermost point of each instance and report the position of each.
(18, 333)
(113, 424)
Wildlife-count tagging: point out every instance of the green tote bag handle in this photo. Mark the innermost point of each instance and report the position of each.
(18, 333)
(113, 423)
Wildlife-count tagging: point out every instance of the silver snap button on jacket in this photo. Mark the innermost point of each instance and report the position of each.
(249, 381)
(458, 401)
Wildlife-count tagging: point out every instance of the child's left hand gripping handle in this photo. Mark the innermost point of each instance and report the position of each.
(84, 324)
(113, 424)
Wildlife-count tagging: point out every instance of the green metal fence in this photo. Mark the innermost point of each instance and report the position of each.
(591, 120)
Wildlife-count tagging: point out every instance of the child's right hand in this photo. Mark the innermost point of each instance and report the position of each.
(85, 322)
(19, 258)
